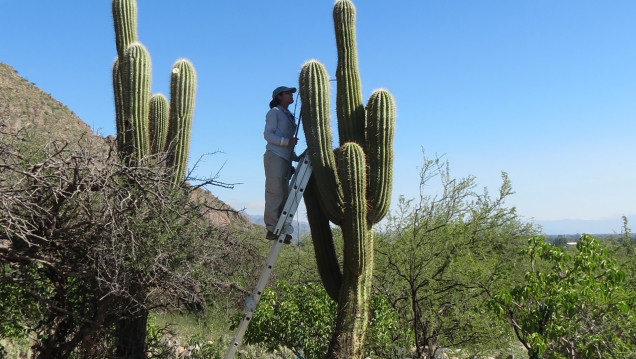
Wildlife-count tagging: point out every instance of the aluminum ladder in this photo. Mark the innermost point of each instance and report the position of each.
(283, 227)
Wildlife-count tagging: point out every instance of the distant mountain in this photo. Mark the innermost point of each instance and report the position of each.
(580, 226)
(550, 227)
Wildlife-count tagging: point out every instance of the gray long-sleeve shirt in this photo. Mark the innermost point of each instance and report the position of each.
(280, 127)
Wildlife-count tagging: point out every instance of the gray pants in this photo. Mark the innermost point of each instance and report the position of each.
(277, 174)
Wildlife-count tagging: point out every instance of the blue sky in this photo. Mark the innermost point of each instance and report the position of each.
(543, 90)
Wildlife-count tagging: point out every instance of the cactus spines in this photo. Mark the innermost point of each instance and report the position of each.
(135, 72)
(182, 93)
(125, 20)
(158, 122)
(353, 181)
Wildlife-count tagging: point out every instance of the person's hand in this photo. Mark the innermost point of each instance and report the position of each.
(292, 142)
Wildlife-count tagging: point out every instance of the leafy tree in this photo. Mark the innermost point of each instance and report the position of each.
(387, 337)
(439, 257)
(575, 308)
(559, 241)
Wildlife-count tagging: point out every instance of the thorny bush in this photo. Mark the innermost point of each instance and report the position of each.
(86, 240)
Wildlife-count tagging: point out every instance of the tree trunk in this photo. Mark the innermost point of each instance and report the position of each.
(131, 336)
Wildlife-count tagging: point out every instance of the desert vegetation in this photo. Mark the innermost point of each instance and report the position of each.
(110, 249)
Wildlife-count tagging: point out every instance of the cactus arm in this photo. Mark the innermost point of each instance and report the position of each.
(182, 94)
(314, 93)
(379, 150)
(349, 106)
(352, 172)
(136, 84)
(324, 249)
(118, 92)
(125, 21)
(158, 121)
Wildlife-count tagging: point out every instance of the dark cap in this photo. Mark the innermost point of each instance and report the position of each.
(282, 89)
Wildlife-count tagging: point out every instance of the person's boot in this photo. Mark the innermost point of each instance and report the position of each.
(271, 236)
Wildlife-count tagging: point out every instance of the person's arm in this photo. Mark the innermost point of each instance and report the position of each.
(271, 123)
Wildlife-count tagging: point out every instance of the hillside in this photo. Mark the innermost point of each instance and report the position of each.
(26, 107)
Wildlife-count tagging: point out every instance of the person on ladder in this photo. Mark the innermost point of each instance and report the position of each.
(280, 127)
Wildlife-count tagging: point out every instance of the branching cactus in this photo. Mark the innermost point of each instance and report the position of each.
(351, 185)
(149, 124)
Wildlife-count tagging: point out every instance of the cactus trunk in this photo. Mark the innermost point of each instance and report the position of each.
(349, 335)
(354, 181)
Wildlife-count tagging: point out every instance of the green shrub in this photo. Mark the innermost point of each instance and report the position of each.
(301, 317)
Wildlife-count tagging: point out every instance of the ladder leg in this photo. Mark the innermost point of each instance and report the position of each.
(284, 225)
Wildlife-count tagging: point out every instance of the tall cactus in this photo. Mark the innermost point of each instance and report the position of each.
(141, 119)
(353, 181)
(142, 127)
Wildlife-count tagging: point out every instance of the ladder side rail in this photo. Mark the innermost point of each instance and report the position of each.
(298, 185)
(252, 300)
(290, 209)
(297, 189)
